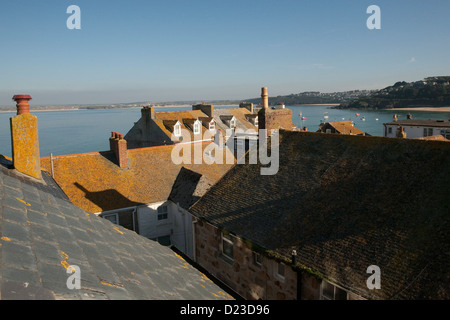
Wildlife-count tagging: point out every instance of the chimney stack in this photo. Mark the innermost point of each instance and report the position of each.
(247, 105)
(273, 119)
(207, 109)
(148, 112)
(24, 139)
(264, 98)
(118, 145)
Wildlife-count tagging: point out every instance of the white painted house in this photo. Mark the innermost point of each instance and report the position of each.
(417, 128)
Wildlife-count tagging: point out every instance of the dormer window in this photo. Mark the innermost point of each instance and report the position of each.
(177, 130)
(233, 123)
(197, 125)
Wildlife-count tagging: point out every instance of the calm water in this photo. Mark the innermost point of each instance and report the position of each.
(69, 132)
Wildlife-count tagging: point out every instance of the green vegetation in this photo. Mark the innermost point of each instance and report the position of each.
(314, 97)
(430, 92)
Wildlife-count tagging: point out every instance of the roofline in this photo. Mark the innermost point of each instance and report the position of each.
(94, 153)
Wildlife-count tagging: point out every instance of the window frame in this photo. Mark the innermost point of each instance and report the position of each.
(280, 276)
(197, 126)
(162, 215)
(227, 238)
(177, 130)
(233, 123)
(256, 257)
(335, 288)
(115, 214)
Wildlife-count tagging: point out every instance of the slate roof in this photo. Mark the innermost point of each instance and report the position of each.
(417, 122)
(342, 127)
(344, 203)
(95, 183)
(42, 233)
(188, 187)
(221, 115)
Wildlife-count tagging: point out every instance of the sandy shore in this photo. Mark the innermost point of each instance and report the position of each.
(437, 109)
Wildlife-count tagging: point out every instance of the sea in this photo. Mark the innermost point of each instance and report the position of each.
(81, 131)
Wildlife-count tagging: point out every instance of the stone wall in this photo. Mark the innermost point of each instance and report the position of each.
(241, 274)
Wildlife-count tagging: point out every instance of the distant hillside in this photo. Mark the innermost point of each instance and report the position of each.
(430, 92)
(314, 97)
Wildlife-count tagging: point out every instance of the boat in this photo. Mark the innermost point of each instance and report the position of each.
(357, 114)
(363, 119)
(301, 116)
(325, 115)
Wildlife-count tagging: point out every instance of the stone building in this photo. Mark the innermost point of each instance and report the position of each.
(339, 206)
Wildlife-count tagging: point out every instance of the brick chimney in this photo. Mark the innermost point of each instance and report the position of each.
(272, 119)
(148, 112)
(264, 98)
(207, 109)
(118, 145)
(247, 105)
(24, 139)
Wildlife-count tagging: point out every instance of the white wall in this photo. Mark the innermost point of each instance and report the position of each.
(178, 225)
(411, 131)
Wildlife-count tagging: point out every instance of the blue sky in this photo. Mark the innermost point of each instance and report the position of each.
(145, 50)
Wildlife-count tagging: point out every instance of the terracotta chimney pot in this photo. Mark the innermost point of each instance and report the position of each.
(22, 103)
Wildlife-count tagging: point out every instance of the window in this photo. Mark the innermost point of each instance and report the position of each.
(427, 132)
(239, 144)
(280, 270)
(256, 121)
(233, 123)
(332, 292)
(390, 130)
(162, 212)
(113, 217)
(227, 246)
(177, 130)
(163, 240)
(196, 127)
(257, 259)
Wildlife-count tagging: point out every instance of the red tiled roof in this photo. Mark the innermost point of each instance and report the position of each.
(94, 182)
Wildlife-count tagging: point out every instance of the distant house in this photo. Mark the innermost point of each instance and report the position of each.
(339, 206)
(414, 128)
(238, 127)
(340, 127)
(163, 128)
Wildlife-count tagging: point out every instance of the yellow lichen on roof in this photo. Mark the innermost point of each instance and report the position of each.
(96, 183)
(166, 120)
(345, 127)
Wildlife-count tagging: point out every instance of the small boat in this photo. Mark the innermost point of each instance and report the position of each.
(304, 118)
(363, 119)
(301, 116)
(357, 114)
(376, 119)
(325, 115)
